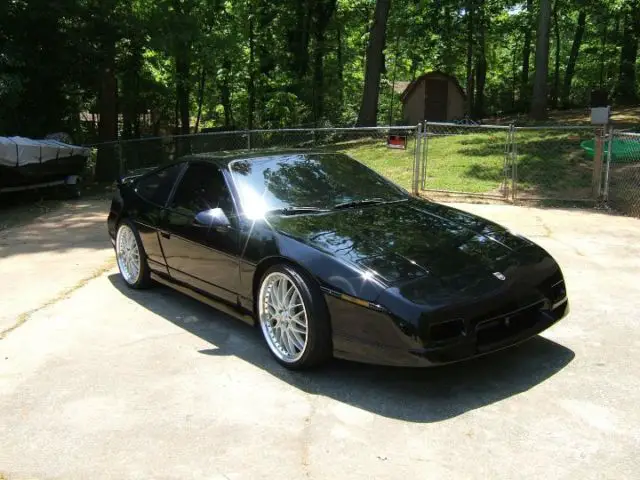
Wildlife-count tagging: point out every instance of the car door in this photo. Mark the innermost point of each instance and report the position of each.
(154, 190)
(202, 256)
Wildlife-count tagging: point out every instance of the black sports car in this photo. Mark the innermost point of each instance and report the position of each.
(331, 259)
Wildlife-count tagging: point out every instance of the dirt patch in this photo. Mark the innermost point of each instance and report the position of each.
(22, 208)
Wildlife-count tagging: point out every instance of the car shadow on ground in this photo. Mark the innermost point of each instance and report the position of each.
(415, 395)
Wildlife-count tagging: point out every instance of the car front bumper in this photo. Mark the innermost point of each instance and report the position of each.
(500, 333)
(368, 336)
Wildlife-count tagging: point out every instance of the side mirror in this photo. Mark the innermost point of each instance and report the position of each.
(213, 218)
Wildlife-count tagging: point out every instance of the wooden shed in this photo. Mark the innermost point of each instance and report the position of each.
(434, 97)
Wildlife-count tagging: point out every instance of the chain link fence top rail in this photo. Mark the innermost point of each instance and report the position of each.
(623, 158)
(390, 151)
(554, 163)
(466, 159)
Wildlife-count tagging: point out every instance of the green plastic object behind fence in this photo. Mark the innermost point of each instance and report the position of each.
(624, 150)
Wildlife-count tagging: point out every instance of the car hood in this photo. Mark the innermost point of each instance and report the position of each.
(409, 240)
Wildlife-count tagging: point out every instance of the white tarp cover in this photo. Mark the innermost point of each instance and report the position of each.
(19, 151)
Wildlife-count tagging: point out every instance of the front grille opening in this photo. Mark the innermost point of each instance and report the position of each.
(449, 330)
(509, 325)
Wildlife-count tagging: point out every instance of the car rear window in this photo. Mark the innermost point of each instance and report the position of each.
(156, 186)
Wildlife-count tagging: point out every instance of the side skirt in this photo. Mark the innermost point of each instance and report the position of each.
(223, 307)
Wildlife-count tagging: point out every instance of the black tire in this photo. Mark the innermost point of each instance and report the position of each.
(318, 349)
(143, 279)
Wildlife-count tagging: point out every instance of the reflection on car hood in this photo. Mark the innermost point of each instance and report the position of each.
(409, 240)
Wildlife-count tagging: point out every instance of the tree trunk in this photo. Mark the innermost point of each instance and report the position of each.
(324, 12)
(201, 85)
(373, 65)
(526, 56)
(225, 94)
(449, 61)
(130, 88)
(414, 68)
(392, 96)
(298, 44)
(469, 106)
(107, 166)
(573, 58)
(340, 62)
(539, 98)
(318, 78)
(182, 87)
(481, 63)
(603, 50)
(626, 91)
(555, 91)
(128, 104)
(514, 75)
(251, 87)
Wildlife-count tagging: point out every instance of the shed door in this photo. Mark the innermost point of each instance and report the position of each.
(435, 100)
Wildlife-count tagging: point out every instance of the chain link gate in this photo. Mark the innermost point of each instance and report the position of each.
(510, 164)
(462, 160)
(558, 163)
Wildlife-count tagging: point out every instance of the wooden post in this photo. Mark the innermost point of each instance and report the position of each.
(597, 164)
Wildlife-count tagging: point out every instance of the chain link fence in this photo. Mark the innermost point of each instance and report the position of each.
(622, 173)
(390, 151)
(555, 163)
(440, 160)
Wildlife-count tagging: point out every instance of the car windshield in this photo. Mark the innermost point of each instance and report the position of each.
(308, 182)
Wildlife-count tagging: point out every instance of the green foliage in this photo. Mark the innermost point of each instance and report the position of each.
(301, 61)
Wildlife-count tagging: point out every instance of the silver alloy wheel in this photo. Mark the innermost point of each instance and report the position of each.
(283, 317)
(128, 254)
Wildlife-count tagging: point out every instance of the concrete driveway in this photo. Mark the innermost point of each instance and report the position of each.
(98, 381)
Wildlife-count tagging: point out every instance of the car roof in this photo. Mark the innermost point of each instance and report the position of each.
(223, 158)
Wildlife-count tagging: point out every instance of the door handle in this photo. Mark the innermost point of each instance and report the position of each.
(165, 234)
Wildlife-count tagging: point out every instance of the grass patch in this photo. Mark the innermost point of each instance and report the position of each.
(550, 163)
(394, 164)
(466, 163)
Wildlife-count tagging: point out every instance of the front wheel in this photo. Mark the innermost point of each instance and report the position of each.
(130, 256)
(293, 318)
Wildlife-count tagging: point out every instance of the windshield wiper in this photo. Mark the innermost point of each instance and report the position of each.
(365, 201)
(297, 210)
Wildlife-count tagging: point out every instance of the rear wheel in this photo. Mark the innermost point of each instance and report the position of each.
(131, 258)
(293, 318)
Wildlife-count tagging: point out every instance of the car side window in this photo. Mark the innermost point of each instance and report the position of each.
(202, 188)
(157, 186)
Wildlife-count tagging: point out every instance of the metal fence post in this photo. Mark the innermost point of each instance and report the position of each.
(605, 193)
(416, 160)
(248, 139)
(514, 164)
(425, 154)
(506, 166)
